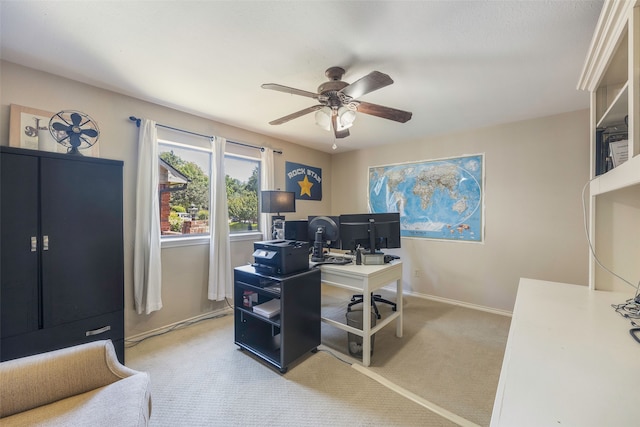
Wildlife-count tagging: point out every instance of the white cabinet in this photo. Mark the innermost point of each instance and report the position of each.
(576, 365)
(612, 75)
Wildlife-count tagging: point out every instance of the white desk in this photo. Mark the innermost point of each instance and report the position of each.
(364, 279)
(569, 361)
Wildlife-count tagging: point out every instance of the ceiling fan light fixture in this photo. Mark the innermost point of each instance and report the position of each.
(346, 117)
(323, 118)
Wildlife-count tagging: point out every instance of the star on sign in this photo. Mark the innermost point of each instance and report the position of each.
(305, 186)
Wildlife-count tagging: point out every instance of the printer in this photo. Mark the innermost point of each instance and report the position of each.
(280, 257)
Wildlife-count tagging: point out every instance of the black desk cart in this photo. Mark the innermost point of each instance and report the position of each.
(285, 337)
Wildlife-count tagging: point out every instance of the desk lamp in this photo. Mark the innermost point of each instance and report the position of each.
(274, 201)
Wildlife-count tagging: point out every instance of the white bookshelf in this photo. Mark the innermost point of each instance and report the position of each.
(612, 75)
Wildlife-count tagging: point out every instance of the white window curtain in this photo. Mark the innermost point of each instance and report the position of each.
(220, 285)
(147, 267)
(267, 182)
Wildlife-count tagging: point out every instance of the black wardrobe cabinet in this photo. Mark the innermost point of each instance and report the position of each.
(61, 252)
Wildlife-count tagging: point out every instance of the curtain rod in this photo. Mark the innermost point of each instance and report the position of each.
(137, 120)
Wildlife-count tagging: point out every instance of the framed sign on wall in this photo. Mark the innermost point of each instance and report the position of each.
(305, 181)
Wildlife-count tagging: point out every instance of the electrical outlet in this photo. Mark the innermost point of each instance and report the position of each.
(416, 273)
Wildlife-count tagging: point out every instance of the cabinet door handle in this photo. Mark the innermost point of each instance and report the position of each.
(34, 243)
(98, 331)
(45, 243)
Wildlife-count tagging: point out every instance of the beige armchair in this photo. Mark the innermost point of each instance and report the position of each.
(84, 385)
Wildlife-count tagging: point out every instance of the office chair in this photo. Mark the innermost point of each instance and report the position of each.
(359, 298)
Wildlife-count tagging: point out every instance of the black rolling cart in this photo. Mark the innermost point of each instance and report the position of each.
(292, 301)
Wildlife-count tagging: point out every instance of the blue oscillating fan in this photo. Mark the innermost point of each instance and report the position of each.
(74, 130)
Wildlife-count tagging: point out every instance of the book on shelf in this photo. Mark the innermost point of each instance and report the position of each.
(601, 153)
(270, 308)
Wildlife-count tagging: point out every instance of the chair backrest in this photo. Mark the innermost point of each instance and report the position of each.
(44, 378)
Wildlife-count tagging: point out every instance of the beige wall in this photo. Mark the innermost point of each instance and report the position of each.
(534, 174)
(534, 171)
(185, 269)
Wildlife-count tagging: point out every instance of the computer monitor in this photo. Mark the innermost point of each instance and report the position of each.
(372, 231)
(296, 230)
(323, 232)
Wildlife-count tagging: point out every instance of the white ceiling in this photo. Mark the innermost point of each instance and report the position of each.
(457, 65)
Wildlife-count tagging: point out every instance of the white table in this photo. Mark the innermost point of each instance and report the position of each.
(364, 279)
(569, 361)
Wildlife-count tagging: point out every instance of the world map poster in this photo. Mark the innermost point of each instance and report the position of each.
(436, 199)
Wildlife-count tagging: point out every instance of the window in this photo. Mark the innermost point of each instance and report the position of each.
(184, 189)
(243, 184)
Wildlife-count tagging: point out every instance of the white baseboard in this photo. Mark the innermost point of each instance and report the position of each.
(156, 331)
(223, 311)
(455, 302)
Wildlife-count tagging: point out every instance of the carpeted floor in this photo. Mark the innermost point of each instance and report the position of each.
(448, 355)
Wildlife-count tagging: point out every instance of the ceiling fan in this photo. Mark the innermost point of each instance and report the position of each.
(339, 103)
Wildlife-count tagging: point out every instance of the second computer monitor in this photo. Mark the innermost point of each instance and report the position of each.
(329, 226)
(372, 231)
(296, 230)
(324, 232)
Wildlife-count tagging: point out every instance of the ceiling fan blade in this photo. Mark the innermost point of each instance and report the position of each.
(384, 112)
(338, 133)
(295, 115)
(286, 89)
(372, 81)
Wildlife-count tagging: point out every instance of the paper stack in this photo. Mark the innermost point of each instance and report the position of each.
(619, 152)
(268, 309)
